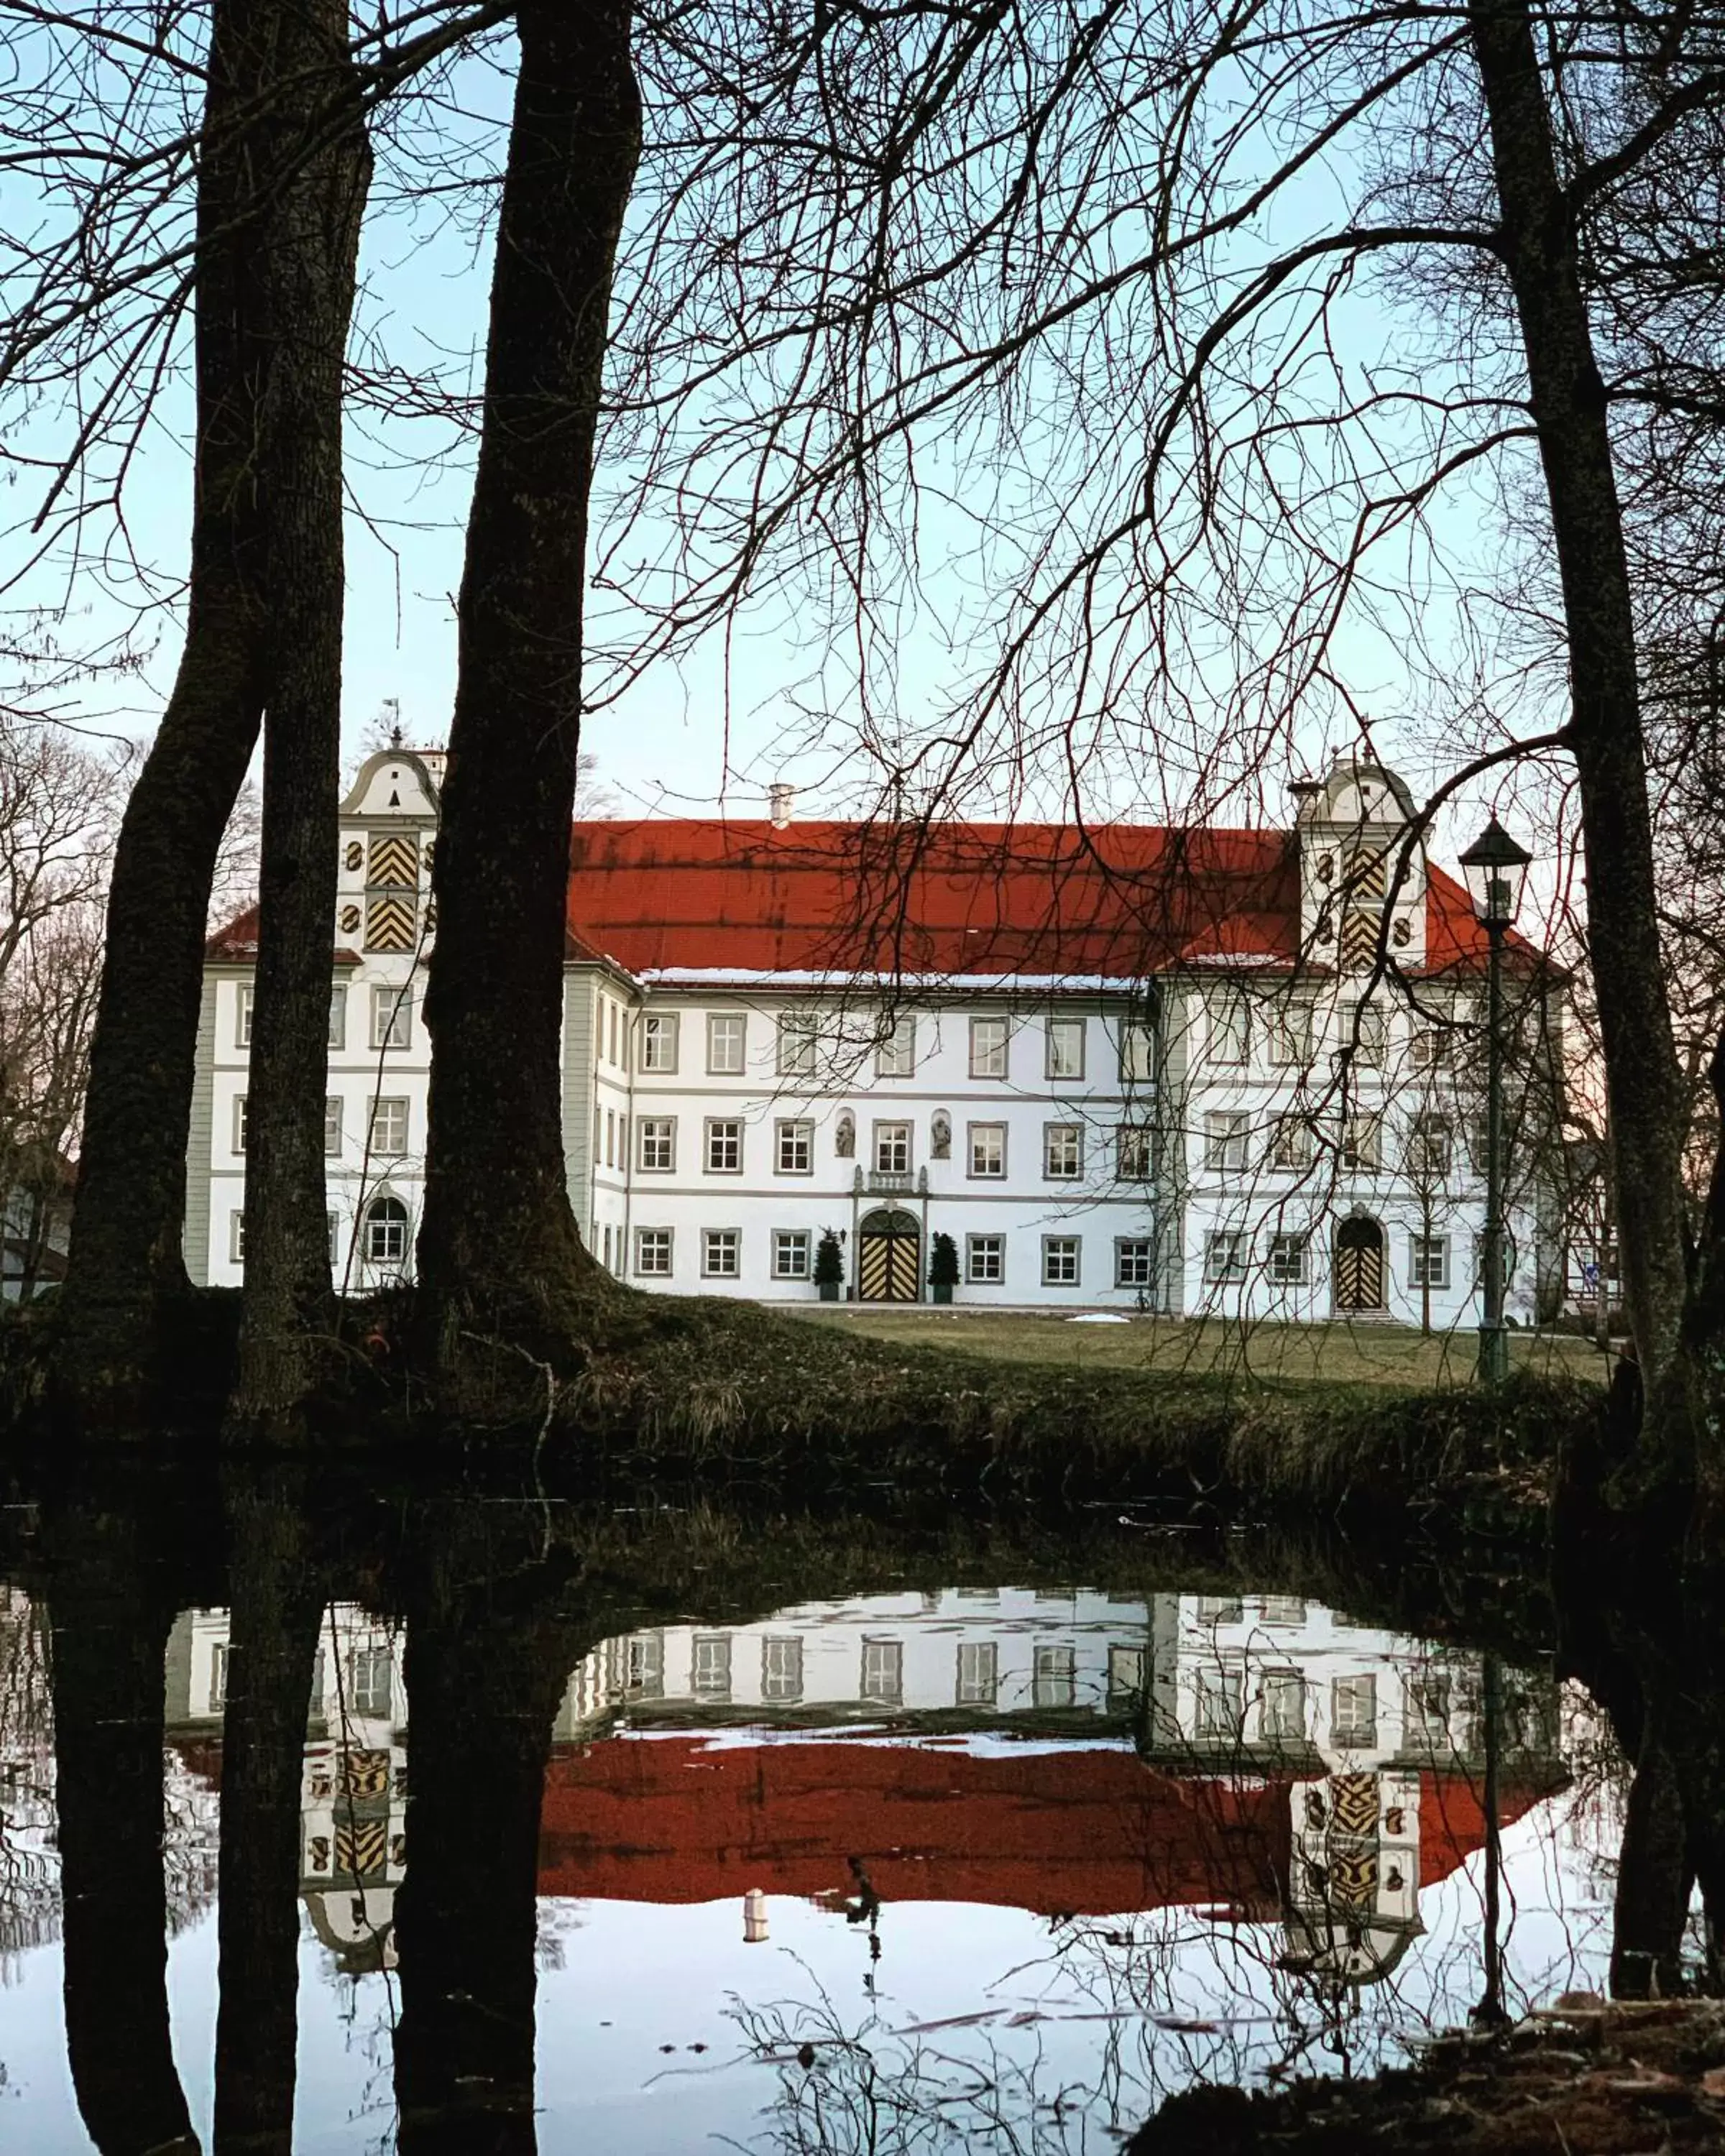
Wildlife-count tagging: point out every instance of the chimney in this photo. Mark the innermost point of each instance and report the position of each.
(779, 799)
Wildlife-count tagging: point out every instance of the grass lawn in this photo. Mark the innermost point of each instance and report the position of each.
(1335, 1353)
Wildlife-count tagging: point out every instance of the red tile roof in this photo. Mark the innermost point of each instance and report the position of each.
(1116, 902)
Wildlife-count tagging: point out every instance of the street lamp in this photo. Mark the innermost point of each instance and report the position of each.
(1495, 867)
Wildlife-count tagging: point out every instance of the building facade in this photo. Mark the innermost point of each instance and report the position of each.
(1133, 1068)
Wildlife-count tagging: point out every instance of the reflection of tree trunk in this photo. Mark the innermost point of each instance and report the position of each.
(1654, 1877)
(499, 1255)
(485, 1682)
(109, 1642)
(273, 1637)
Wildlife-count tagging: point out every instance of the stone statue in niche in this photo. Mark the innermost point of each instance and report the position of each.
(940, 1140)
(846, 1141)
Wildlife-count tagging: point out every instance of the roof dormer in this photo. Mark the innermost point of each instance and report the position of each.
(1356, 864)
(383, 873)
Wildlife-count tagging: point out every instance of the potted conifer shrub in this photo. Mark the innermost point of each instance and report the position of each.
(943, 1268)
(829, 1266)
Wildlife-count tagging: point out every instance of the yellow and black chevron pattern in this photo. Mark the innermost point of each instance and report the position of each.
(365, 1773)
(394, 860)
(887, 1270)
(1353, 1879)
(1360, 926)
(389, 924)
(362, 1848)
(1353, 1801)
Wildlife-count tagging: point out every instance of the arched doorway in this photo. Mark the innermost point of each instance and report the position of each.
(1359, 1264)
(890, 1266)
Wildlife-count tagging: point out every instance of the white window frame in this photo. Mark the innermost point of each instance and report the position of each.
(1363, 1144)
(1428, 1261)
(781, 1669)
(338, 1015)
(1279, 1691)
(990, 1047)
(713, 1141)
(1291, 1030)
(1228, 1036)
(1227, 1258)
(1137, 1051)
(895, 1051)
(796, 1044)
(1135, 1143)
(375, 1229)
(1349, 1726)
(240, 1122)
(976, 1678)
(795, 1134)
(1059, 1062)
(977, 1135)
(1054, 1674)
(1135, 1261)
(716, 1246)
(1431, 1145)
(1227, 1135)
(793, 1254)
(1057, 1252)
(660, 1044)
(727, 1043)
(880, 1677)
(1062, 1152)
(1287, 1262)
(710, 1665)
(1292, 1146)
(246, 996)
(392, 1018)
(898, 1138)
(654, 1242)
(236, 1237)
(1365, 1028)
(655, 1134)
(981, 1251)
(384, 1113)
(332, 1126)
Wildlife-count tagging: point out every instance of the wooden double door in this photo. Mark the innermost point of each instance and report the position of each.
(890, 1263)
(1359, 1273)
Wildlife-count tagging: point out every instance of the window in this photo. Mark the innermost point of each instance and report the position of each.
(338, 1015)
(1230, 1034)
(781, 1670)
(370, 1689)
(985, 1259)
(987, 1150)
(1428, 1261)
(1366, 1031)
(727, 1043)
(1287, 1260)
(240, 1123)
(314, 1703)
(335, 1228)
(892, 1148)
(1430, 1146)
(608, 1029)
(1225, 1256)
(219, 1677)
(1291, 1145)
(790, 1253)
(1134, 1261)
(659, 1041)
(1291, 1037)
(1137, 1051)
(796, 1045)
(1134, 1153)
(1126, 1676)
(979, 1673)
(1062, 1152)
(796, 1148)
(1282, 1712)
(724, 1145)
(1284, 1610)
(1220, 1610)
(386, 1232)
(1353, 1710)
(635, 1666)
(610, 1137)
(710, 1665)
(720, 1252)
(236, 1238)
(1065, 1048)
(1054, 1676)
(988, 1048)
(1060, 1261)
(1221, 1702)
(896, 1051)
(1426, 1711)
(245, 995)
(1431, 1047)
(392, 1018)
(1225, 1132)
(652, 1252)
(332, 1126)
(1361, 1143)
(389, 1127)
(656, 1144)
(883, 1671)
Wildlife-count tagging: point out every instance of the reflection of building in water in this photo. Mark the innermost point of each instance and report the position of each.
(353, 1789)
(1078, 1752)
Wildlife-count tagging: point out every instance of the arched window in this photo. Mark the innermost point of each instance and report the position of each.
(386, 1232)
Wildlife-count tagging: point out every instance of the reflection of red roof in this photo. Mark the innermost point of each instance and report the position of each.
(1119, 902)
(1088, 1831)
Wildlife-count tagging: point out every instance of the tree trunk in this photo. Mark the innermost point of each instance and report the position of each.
(305, 279)
(1644, 1083)
(499, 1255)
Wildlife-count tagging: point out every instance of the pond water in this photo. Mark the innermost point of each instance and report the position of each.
(505, 1821)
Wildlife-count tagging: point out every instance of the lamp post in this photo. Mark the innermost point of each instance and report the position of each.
(1495, 866)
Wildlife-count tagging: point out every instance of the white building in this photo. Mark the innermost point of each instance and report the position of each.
(1170, 1070)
